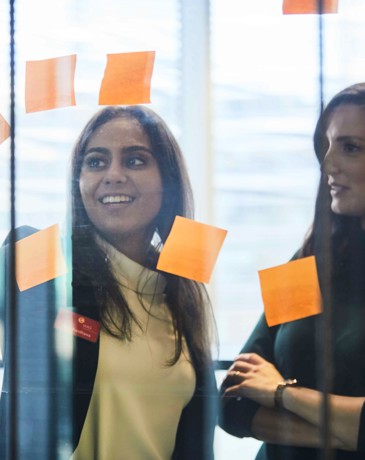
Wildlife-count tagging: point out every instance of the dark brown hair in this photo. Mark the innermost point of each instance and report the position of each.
(187, 300)
(330, 233)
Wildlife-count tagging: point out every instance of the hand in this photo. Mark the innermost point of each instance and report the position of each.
(253, 377)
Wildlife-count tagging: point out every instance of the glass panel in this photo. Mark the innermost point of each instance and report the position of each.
(265, 102)
(44, 142)
(265, 70)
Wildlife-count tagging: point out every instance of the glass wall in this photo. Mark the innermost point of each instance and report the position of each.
(266, 101)
(260, 80)
(45, 139)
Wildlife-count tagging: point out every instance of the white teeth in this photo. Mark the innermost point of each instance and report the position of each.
(116, 199)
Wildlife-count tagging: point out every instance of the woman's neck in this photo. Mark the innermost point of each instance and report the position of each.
(134, 246)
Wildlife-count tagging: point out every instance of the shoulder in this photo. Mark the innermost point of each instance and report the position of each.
(20, 233)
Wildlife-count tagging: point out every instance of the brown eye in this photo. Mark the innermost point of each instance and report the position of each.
(351, 148)
(94, 162)
(135, 161)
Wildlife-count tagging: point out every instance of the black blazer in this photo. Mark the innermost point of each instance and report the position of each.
(47, 380)
(37, 417)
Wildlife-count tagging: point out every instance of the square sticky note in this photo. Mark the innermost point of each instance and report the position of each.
(191, 249)
(309, 6)
(49, 83)
(39, 258)
(290, 291)
(4, 129)
(127, 78)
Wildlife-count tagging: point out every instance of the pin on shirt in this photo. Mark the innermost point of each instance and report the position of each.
(79, 325)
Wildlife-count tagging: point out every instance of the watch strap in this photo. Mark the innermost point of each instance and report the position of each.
(278, 397)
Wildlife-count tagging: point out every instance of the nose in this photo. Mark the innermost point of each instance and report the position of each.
(115, 173)
(330, 164)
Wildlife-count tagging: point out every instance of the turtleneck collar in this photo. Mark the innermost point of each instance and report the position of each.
(130, 273)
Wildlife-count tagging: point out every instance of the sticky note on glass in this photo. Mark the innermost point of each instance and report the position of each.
(39, 258)
(49, 83)
(127, 78)
(290, 291)
(4, 129)
(191, 249)
(309, 6)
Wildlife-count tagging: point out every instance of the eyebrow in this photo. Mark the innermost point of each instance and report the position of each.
(349, 138)
(97, 150)
(126, 150)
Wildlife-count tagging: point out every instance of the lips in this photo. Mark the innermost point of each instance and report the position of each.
(336, 188)
(116, 199)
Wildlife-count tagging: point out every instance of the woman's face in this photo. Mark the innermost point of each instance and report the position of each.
(344, 162)
(121, 185)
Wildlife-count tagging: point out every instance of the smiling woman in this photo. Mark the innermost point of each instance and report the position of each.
(143, 385)
(146, 389)
(121, 187)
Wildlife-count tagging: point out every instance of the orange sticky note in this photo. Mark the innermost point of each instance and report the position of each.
(39, 258)
(309, 6)
(4, 129)
(49, 83)
(290, 291)
(191, 249)
(127, 78)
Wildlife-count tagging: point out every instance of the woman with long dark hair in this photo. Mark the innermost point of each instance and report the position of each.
(143, 385)
(146, 389)
(274, 389)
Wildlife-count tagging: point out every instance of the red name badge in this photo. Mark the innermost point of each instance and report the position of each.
(79, 325)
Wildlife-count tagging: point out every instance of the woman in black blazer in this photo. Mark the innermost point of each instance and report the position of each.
(145, 388)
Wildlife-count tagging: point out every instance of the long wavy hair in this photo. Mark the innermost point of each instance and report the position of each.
(332, 238)
(187, 300)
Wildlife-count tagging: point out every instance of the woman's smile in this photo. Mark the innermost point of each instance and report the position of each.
(120, 184)
(336, 189)
(116, 199)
